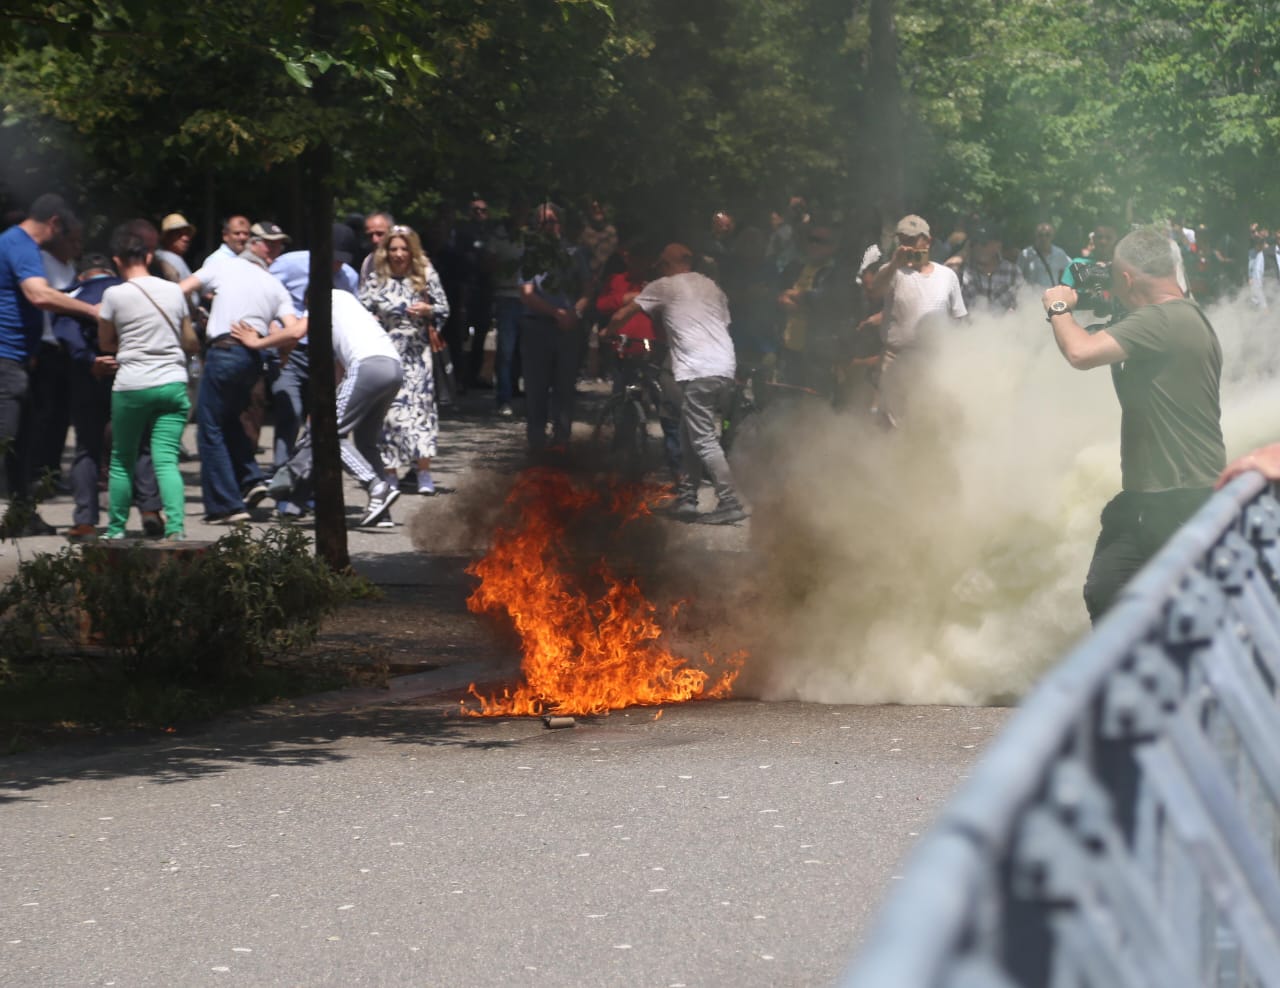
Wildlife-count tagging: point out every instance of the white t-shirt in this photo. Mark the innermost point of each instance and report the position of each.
(62, 276)
(357, 334)
(243, 292)
(695, 313)
(913, 297)
(150, 351)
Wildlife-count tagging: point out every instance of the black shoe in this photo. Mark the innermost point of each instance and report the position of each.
(152, 524)
(681, 509)
(254, 495)
(724, 514)
(38, 526)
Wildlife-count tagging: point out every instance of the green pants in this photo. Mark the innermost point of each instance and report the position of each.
(164, 409)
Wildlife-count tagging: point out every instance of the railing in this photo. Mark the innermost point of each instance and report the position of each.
(1123, 829)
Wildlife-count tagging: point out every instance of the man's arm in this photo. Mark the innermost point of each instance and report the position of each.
(191, 283)
(1083, 350)
(619, 318)
(44, 296)
(294, 329)
(884, 277)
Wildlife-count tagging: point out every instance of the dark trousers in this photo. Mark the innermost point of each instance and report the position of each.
(509, 312)
(14, 397)
(550, 357)
(50, 409)
(227, 465)
(90, 406)
(1135, 526)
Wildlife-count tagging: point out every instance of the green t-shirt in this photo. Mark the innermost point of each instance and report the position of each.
(1170, 426)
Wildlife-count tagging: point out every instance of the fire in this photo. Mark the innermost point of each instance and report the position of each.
(591, 639)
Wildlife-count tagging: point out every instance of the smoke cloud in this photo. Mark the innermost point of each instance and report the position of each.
(942, 562)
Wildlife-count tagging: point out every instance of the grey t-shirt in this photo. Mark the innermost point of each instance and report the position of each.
(243, 292)
(150, 351)
(695, 313)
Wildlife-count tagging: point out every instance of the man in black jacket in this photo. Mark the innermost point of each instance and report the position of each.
(817, 305)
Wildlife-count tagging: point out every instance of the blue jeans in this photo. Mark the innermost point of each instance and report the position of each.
(507, 312)
(289, 389)
(226, 453)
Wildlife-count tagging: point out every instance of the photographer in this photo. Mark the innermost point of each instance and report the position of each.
(1165, 364)
(918, 293)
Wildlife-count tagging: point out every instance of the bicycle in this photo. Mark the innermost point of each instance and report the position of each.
(622, 426)
(755, 389)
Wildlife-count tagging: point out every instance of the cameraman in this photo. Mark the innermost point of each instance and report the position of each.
(1165, 364)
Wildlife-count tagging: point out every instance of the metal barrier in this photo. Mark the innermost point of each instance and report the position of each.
(1122, 831)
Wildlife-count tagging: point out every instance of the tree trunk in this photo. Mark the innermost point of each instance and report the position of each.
(885, 103)
(331, 520)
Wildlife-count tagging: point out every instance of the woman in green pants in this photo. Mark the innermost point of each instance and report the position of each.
(142, 323)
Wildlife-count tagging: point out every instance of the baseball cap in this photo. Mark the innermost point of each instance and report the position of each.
(912, 226)
(344, 243)
(175, 221)
(266, 230)
(985, 234)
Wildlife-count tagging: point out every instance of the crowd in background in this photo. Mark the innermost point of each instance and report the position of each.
(121, 342)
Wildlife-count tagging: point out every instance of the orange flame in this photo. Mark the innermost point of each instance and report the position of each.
(591, 640)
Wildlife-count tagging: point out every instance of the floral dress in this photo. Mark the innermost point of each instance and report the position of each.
(412, 422)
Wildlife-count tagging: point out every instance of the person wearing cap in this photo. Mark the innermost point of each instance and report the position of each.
(244, 291)
(917, 292)
(235, 234)
(289, 378)
(989, 283)
(175, 241)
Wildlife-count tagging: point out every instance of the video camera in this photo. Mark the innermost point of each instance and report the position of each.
(1092, 282)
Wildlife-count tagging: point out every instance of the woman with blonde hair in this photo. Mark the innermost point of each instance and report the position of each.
(404, 292)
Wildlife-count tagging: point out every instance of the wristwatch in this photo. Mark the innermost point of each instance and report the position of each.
(1058, 308)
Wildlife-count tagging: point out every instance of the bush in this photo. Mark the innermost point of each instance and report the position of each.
(188, 615)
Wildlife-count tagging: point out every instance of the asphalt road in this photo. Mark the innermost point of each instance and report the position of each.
(384, 839)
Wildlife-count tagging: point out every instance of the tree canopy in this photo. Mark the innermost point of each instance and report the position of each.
(1017, 110)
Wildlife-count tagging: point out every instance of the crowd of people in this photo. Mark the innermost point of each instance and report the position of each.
(125, 345)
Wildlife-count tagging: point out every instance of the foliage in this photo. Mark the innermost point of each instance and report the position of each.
(1015, 109)
(186, 617)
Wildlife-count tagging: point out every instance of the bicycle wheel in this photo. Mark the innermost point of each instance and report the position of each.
(621, 435)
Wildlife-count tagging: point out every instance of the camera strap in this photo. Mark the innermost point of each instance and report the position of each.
(1045, 263)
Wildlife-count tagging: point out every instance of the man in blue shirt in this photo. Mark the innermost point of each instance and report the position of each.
(24, 293)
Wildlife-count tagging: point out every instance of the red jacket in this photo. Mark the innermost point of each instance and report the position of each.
(610, 300)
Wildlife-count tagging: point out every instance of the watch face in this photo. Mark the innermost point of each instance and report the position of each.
(1057, 308)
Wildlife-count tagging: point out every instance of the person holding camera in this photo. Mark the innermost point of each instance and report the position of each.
(1166, 364)
(917, 291)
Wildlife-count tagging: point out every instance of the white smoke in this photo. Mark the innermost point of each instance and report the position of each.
(943, 562)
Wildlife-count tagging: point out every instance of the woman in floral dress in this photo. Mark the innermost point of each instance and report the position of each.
(403, 290)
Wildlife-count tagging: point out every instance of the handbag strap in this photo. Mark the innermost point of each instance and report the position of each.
(176, 331)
